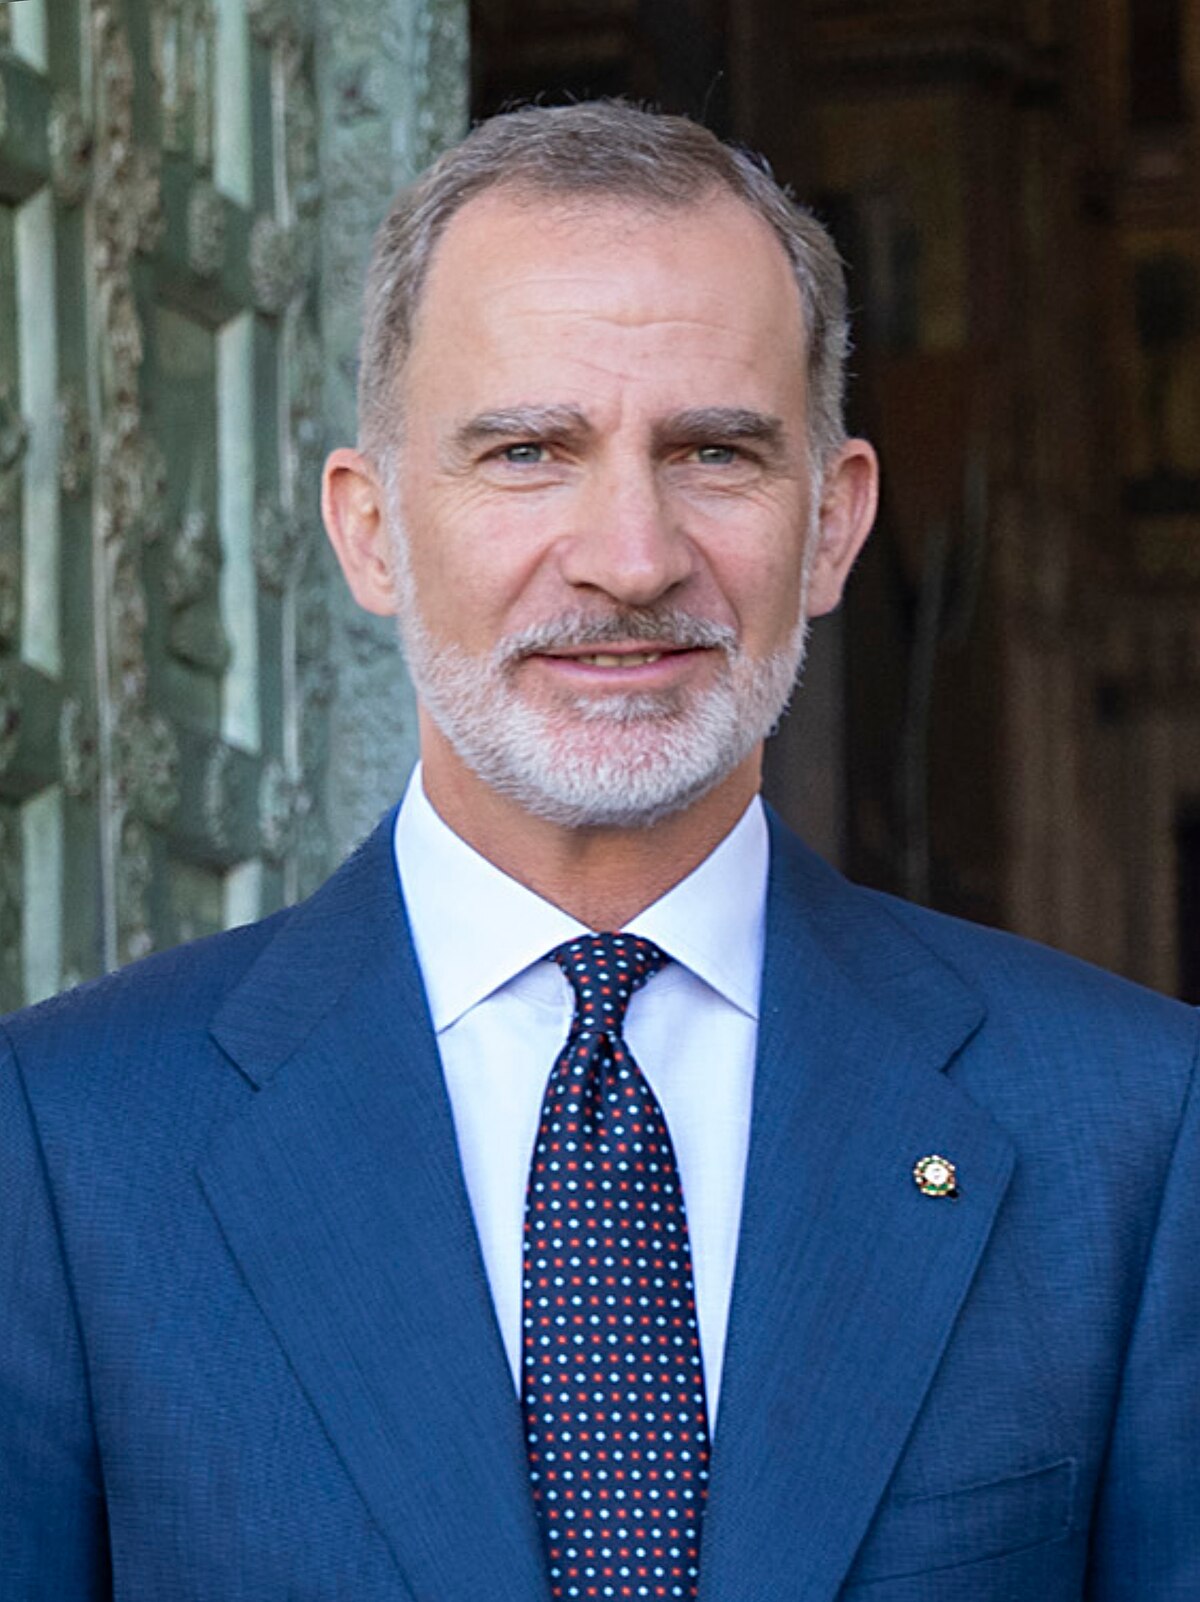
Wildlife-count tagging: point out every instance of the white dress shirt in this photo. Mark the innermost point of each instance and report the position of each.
(501, 1013)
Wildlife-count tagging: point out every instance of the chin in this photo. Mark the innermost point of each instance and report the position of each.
(616, 761)
(620, 762)
(630, 788)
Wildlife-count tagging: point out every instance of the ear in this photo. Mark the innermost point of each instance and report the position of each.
(353, 507)
(848, 501)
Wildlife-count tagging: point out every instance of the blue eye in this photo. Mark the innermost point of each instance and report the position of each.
(716, 455)
(524, 455)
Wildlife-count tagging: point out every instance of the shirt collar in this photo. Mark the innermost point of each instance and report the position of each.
(475, 928)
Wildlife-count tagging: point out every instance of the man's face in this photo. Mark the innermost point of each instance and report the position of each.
(603, 500)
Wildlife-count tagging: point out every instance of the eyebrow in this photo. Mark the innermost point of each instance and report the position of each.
(707, 424)
(724, 425)
(521, 422)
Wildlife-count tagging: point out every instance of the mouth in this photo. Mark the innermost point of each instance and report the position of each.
(634, 664)
(614, 659)
(638, 639)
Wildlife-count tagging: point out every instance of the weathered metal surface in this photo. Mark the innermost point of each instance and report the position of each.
(392, 84)
(171, 371)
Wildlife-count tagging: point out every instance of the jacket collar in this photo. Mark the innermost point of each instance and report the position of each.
(340, 1193)
(849, 1280)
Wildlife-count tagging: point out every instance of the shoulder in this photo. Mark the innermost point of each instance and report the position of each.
(1091, 1077)
(1039, 988)
(167, 1001)
(145, 1039)
(114, 1058)
(172, 990)
(1040, 1027)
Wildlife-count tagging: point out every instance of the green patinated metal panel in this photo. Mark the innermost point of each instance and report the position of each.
(392, 92)
(164, 672)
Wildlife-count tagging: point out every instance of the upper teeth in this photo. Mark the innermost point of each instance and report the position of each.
(631, 659)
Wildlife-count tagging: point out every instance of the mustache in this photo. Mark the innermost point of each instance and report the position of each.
(657, 625)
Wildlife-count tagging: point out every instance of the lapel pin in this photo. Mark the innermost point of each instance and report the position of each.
(936, 1176)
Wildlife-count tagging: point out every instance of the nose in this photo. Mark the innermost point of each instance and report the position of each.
(626, 539)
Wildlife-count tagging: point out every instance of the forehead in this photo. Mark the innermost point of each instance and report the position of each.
(606, 281)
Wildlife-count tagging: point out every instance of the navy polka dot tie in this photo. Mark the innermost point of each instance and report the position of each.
(612, 1385)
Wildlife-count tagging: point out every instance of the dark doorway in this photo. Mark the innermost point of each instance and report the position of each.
(1187, 858)
(670, 53)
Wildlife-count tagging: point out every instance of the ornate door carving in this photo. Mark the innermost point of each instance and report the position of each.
(163, 604)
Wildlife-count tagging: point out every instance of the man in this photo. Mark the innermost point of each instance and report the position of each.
(331, 1273)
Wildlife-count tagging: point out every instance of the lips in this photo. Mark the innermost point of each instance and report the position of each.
(627, 659)
(596, 663)
(619, 655)
(637, 638)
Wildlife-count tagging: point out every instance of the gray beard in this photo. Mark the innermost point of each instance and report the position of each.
(611, 761)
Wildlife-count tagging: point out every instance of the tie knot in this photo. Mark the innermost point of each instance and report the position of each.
(604, 970)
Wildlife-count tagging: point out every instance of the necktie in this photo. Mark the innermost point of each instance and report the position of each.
(612, 1384)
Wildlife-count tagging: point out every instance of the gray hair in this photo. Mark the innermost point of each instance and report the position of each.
(607, 150)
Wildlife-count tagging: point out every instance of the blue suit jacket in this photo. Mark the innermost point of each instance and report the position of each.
(247, 1350)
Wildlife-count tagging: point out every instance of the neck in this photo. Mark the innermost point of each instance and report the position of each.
(602, 876)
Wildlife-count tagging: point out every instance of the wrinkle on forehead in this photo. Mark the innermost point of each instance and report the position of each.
(696, 307)
(495, 244)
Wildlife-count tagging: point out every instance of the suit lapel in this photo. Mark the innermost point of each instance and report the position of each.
(340, 1194)
(848, 1279)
